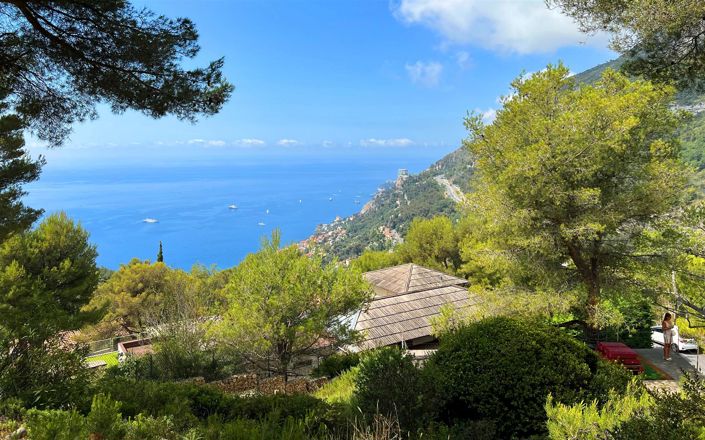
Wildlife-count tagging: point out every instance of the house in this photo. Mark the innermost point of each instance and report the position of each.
(406, 298)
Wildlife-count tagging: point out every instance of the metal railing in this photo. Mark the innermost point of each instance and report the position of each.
(109, 345)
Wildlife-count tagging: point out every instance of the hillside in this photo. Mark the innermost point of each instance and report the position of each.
(384, 220)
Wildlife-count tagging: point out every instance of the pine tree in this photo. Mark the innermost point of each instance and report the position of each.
(160, 255)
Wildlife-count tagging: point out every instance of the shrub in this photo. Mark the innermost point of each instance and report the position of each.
(592, 421)
(55, 425)
(502, 370)
(341, 389)
(187, 403)
(389, 384)
(336, 364)
(44, 376)
(104, 418)
(172, 362)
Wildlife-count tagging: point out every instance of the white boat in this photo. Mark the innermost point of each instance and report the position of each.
(260, 224)
(330, 198)
(232, 206)
(267, 211)
(300, 201)
(150, 220)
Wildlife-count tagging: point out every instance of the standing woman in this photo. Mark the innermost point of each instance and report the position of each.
(667, 326)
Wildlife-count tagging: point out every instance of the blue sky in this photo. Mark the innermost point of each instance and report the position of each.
(347, 74)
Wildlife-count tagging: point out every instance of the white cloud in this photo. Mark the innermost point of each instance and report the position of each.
(249, 142)
(526, 26)
(397, 142)
(216, 143)
(328, 144)
(196, 141)
(427, 74)
(287, 142)
(488, 116)
(463, 60)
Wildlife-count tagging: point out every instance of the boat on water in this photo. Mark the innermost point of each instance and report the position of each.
(260, 224)
(150, 220)
(232, 206)
(330, 198)
(266, 211)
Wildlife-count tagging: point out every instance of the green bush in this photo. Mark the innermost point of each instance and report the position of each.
(388, 383)
(44, 376)
(187, 404)
(172, 362)
(105, 418)
(502, 370)
(336, 364)
(55, 425)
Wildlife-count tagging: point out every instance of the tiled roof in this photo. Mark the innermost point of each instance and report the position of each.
(408, 278)
(408, 296)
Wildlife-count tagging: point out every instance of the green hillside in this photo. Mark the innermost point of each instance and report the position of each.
(385, 219)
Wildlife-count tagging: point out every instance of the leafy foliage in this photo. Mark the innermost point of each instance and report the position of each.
(390, 384)
(16, 168)
(283, 306)
(60, 59)
(46, 276)
(335, 364)
(661, 40)
(569, 179)
(508, 386)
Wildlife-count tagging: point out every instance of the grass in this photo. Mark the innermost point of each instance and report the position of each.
(340, 389)
(111, 359)
(651, 372)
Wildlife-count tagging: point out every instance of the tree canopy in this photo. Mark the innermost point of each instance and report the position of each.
(59, 59)
(283, 305)
(664, 40)
(46, 276)
(16, 168)
(570, 179)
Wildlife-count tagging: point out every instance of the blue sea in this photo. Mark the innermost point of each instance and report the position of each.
(292, 191)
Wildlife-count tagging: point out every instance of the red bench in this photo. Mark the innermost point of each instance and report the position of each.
(618, 352)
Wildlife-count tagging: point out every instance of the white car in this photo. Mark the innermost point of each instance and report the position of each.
(679, 344)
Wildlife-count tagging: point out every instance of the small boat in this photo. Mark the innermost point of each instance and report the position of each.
(330, 198)
(300, 201)
(260, 224)
(232, 206)
(267, 211)
(150, 220)
(357, 202)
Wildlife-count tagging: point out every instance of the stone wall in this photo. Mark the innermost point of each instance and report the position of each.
(251, 383)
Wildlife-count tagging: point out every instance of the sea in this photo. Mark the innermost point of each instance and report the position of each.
(188, 198)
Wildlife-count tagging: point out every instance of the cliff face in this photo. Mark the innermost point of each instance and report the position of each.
(382, 222)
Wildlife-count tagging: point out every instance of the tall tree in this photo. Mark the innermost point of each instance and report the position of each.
(131, 295)
(664, 40)
(283, 305)
(570, 178)
(46, 276)
(433, 243)
(160, 254)
(16, 168)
